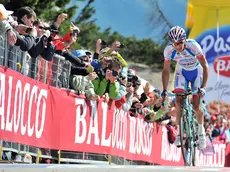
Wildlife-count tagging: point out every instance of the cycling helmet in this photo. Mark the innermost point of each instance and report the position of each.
(176, 34)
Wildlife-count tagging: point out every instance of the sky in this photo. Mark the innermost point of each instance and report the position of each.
(132, 17)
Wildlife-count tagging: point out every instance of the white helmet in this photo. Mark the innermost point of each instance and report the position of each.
(176, 34)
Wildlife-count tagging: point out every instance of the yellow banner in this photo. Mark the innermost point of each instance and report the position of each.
(208, 22)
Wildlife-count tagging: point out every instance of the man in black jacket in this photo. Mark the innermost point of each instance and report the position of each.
(43, 47)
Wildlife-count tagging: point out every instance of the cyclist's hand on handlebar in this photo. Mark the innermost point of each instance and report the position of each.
(202, 92)
(163, 95)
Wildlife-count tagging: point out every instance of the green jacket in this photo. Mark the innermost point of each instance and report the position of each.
(104, 86)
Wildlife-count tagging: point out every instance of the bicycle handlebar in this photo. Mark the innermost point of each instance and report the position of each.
(182, 93)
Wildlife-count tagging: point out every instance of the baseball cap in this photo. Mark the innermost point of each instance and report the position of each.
(79, 53)
(87, 52)
(3, 9)
(4, 13)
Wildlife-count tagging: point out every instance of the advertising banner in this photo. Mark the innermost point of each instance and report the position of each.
(39, 115)
(210, 28)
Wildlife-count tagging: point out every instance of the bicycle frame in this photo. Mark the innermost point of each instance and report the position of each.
(189, 128)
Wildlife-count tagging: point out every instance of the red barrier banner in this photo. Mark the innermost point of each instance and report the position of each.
(25, 110)
(39, 115)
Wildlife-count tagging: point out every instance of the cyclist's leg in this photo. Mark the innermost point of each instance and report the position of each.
(180, 85)
(196, 83)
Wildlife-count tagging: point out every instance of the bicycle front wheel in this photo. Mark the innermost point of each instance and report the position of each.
(194, 143)
(187, 148)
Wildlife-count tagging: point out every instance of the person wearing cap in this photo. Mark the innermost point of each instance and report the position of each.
(89, 54)
(4, 13)
(83, 83)
(82, 65)
(107, 83)
(5, 27)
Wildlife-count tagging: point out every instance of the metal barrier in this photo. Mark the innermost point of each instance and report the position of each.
(55, 73)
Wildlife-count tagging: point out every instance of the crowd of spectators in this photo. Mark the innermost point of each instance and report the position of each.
(99, 73)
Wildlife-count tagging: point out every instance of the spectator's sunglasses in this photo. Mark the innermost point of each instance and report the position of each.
(84, 58)
(136, 84)
(41, 27)
(129, 84)
(106, 60)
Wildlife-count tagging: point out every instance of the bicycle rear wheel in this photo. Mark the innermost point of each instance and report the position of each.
(186, 139)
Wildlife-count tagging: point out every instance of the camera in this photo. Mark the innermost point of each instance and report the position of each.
(103, 42)
(132, 78)
(75, 32)
(29, 29)
(50, 29)
(122, 46)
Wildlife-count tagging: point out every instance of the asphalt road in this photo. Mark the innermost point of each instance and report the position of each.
(104, 168)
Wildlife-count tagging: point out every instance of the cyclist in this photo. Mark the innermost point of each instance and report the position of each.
(192, 68)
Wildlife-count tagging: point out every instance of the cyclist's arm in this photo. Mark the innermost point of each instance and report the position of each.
(204, 64)
(165, 74)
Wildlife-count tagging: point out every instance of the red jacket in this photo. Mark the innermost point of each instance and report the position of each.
(59, 42)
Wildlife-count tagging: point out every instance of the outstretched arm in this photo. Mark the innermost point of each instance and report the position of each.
(165, 74)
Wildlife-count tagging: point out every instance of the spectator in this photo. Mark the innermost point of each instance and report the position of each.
(78, 69)
(5, 27)
(83, 85)
(107, 82)
(25, 39)
(43, 47)
(4, 14)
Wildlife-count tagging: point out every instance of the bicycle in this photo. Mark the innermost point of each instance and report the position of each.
(188, 129)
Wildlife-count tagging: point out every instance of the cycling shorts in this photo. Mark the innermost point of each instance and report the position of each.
(184, 77)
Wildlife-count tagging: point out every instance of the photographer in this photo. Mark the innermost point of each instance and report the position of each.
(24, 39)
(25, 18)
(43, 44)
(106, 81)
(79, 70)
(126, 101)
(63, 44)
(137, 102)
(43, 47)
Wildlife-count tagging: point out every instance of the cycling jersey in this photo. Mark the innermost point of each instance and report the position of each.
(187, 58)
(189, 69)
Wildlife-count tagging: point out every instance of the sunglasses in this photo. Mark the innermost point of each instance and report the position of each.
(40, 27)
(129, 84)
(178, 43)
(84, 58)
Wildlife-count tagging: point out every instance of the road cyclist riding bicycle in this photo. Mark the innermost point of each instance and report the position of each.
(192, 69)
